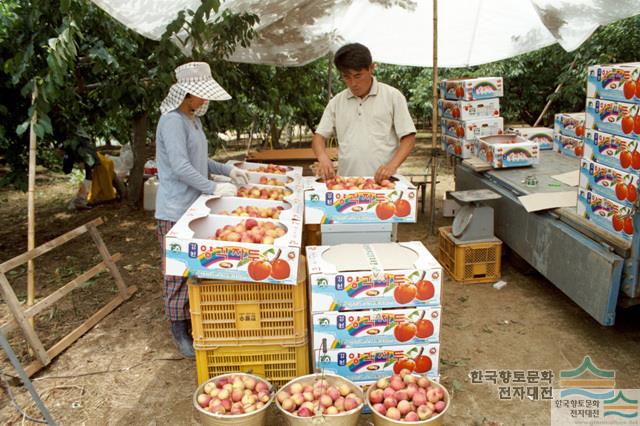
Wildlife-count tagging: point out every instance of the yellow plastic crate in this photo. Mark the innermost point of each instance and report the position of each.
(276, 363)
(233, 313)
(470, 263)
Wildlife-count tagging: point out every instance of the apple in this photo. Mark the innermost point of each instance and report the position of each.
(270, 168)
(321, 398)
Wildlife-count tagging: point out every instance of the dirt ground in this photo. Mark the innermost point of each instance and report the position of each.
(125, 371)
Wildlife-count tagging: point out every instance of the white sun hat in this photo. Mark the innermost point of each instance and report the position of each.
(193, 78)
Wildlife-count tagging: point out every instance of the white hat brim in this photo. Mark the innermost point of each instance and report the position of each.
(207, 89)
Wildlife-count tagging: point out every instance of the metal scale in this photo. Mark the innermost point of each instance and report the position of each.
(474, 221)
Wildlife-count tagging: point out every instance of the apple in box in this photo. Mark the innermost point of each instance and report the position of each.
(359, 199)
(618, 118)
(613, 151)
(616, 82)
(347, 277)
(376, 327)
(249, 207)
(609, 182)
(352, 183)
(264, 192)
(373, 363)
(607, 214)
(465, 110)
(270, 169)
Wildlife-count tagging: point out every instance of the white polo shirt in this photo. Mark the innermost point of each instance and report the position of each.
(368, 129)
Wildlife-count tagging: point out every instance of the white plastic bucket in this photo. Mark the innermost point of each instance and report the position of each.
(150, 191)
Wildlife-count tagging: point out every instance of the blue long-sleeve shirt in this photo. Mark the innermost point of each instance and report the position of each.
(183, 165)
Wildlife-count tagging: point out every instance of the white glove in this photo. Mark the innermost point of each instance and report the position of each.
(239, 176)
(225, 189)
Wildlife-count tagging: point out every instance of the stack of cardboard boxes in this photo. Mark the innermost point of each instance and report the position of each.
(375, 309)
(468, 109)
(568, 132)
(610, 165)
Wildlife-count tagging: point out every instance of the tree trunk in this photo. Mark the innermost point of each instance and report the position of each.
(140, 124)
(273, 125)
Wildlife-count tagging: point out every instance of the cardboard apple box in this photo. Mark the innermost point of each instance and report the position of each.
(542, 135)
(457, 146)
(612, 150)
(607, 214)
(466, 110)
(360, 329)
(569, 124)
(291, 171)
(617, 82)
(472, 88)
(191, 251)
(373, 363)
(371, 276)
(237, 206)
(510, 150)
(471, 129)
(608, 182)
(327, 205)
(617, 118)
(572, 147)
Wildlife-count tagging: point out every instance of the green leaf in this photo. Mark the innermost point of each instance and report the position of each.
(244, 261)
(23, 127)
(389, 288)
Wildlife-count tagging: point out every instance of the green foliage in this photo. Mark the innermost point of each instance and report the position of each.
(94, 76)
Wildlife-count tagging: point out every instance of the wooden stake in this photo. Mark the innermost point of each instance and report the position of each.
(434, 121)
(31, 215)
(546, 107)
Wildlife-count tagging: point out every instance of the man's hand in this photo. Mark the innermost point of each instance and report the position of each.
(384, 172)
(325, 168)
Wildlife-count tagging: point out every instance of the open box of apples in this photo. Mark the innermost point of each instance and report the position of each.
(509, 150)
(359, 199)
(256, 208)
(268, 169)
(236, 238)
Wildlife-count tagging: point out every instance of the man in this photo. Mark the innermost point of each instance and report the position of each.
(183, 169)
(370, 120)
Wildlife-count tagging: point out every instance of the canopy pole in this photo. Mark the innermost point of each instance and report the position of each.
(31, 241)
(434, 122)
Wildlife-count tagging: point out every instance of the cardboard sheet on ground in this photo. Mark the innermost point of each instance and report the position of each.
(549, 200)
(570, 178)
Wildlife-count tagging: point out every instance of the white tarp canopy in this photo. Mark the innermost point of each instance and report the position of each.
(471, 32)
